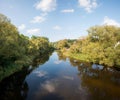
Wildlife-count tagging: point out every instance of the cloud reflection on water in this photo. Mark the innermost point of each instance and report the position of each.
(40, 73)
(68, 77)
(49, 86)
(57, 62)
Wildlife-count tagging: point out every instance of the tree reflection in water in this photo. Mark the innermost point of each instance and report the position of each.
(100, 82)
(12, 87)
(41, 59)
(15, 87)
(62, 78)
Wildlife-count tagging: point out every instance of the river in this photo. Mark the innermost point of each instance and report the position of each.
(56, 77)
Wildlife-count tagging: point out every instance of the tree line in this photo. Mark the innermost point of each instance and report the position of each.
(102, 46)
(17, 50)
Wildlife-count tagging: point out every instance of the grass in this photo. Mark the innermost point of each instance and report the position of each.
(77, 56)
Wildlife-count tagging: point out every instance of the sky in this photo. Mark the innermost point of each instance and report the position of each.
(60, 19)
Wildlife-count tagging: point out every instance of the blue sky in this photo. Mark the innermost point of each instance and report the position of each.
(59, 19)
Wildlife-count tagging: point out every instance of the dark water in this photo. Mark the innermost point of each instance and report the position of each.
(60, 78)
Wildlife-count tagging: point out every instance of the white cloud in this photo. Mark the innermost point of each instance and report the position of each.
(38, 19)
(67, 11)
(46, 5)
(88, 5)
(34, 31)
(21, 27)
(108, 21)
(57, 27)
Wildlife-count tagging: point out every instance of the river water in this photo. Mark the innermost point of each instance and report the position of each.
(60, 78)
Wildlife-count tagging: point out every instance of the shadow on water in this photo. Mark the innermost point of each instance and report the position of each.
(50, 96)
(41, 59)
(15, 87)
(11, 87)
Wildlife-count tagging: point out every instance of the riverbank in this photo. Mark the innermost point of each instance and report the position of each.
(101, 46)
(7, 71)
(15, 67)
(33, 60)
(76, 56)
(83, 57)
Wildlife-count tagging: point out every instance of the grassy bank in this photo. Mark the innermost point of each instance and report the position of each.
(83, 57)
(76, 56)
(7, 71)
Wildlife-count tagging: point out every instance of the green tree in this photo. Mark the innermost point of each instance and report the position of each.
(102, 45)
(62, 44)
(9, 40)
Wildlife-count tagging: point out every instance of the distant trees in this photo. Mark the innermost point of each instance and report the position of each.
(102, 45)
(39, 45)
(63, 44)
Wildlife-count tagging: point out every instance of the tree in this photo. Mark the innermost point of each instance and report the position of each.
(102, 45)
(39, 45)
(107, 37)
(62, 44)
(14, 46)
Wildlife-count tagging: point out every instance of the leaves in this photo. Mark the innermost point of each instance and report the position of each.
(100, 46)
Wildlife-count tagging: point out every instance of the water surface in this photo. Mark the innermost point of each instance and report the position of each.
(60, 78)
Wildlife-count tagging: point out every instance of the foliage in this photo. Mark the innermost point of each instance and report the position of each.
(18, 50)
(39, 45)
(12, 44)
(63, 44)
(102, 45)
